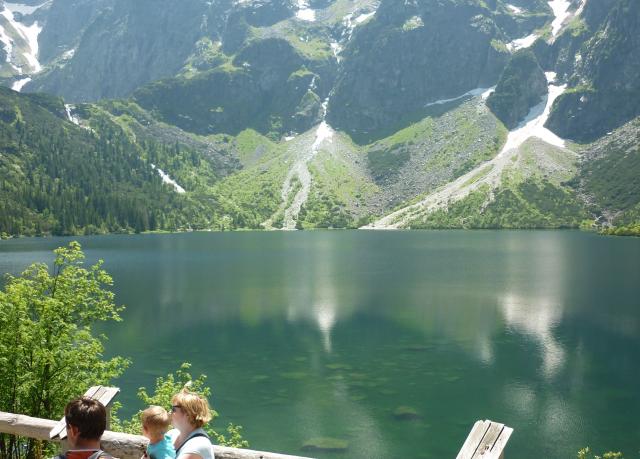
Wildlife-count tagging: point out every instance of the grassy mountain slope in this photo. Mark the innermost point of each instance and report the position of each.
(531, 192)
(608, 179)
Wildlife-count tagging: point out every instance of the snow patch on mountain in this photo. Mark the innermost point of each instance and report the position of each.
(522, 43)
(514, 9)
(351, 21)
(482, 92)
(337, 49)
(305, 13)
(363, 17)
(24, 9)
(561, 12)
(533, 124)
(19, 84)
(7, 44)
(168, 180)
(18, 37)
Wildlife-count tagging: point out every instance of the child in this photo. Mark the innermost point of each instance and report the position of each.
(155, 423)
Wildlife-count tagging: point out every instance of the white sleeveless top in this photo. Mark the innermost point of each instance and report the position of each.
(198, 445)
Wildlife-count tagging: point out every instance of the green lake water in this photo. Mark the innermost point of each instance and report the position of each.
(327, 333)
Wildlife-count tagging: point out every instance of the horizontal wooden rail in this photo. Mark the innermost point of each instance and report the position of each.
(121, 445)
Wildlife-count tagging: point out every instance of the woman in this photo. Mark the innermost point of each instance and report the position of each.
(189, 413)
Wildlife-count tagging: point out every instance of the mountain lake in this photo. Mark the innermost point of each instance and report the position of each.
(391, 344)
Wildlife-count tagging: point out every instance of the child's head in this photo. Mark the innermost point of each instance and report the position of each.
(155, 422)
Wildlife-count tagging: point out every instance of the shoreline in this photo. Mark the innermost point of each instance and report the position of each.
(599, 232)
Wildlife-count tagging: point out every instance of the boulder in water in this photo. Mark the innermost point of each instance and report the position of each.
(406, 413)
(325, 445)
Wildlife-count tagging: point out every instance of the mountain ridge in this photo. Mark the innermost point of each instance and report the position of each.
(339, 113)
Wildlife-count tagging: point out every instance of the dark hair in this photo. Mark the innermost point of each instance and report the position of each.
(88, 415)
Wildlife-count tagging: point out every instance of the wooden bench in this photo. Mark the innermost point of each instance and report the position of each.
(486, 440)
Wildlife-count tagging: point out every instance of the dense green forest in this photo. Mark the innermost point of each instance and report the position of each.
(58, 178)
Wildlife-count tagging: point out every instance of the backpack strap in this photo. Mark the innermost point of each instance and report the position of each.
(190, 437)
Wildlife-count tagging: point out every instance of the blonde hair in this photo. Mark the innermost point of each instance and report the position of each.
(195, 407)
(156, 419)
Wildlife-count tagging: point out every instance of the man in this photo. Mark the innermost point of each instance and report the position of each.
(86, 422)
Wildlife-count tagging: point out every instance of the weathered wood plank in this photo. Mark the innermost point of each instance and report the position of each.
(59, 430)
(474, 438)
(109, 394)
(16, 424)
(488, 440)
(500, 444)
(99, 393)
(120, 445)
(92, 391)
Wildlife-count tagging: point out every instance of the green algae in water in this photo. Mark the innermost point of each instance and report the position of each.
(388, 391)
(274, 401)
(294, 375)
(357, 384)
(338, 366)
(418, 348)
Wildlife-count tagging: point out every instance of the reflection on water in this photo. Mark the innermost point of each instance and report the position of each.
(521, 398)
(327, 334)
(537, 317)
(314, 286)
(324, 301)
(534, 306)
(485, 350)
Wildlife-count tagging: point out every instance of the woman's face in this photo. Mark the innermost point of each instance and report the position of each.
(179, 418)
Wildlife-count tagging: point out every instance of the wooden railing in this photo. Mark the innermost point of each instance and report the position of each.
(486, 440)
(120, 445)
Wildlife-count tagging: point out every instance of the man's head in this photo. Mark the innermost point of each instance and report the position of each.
(86, 421)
